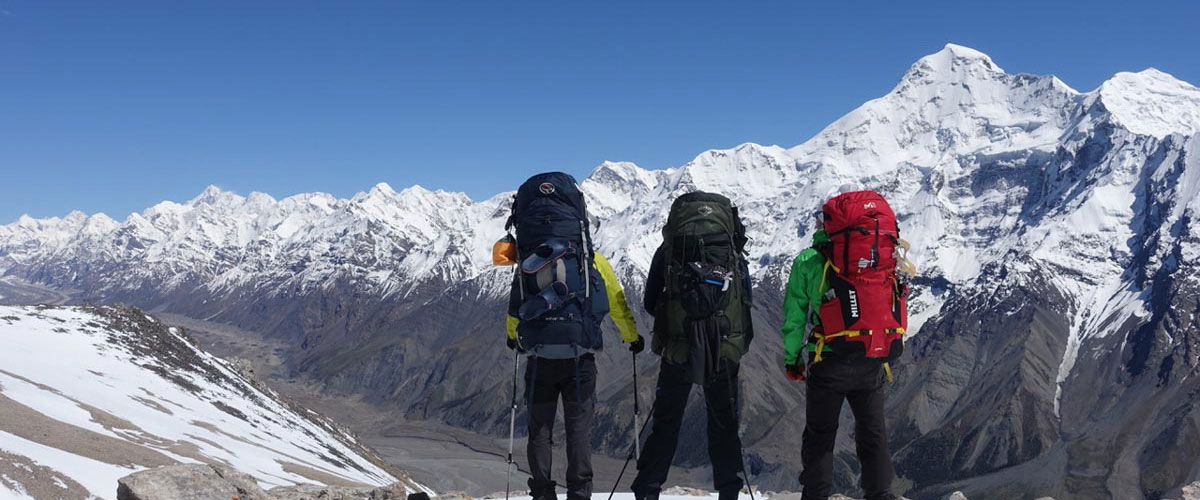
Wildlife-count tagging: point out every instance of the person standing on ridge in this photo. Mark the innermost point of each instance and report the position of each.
(561, 292)
(845, 308)
(698, 291)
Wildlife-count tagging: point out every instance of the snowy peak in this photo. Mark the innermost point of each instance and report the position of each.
(622, 173)
(213, 195)
(385, 189)
(613, 186)
(952, 103)
(1152, 102)
(746, 172)
(953, 63)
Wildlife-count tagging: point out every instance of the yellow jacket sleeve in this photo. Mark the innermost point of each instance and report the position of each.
(618, 307)
(511, 325)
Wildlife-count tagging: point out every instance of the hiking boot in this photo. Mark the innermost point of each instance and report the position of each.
(543, 491)
(645, 496)
(728, 494)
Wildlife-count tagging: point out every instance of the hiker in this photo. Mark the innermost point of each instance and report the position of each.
(560, 294)
(845, 308)
(698, 291)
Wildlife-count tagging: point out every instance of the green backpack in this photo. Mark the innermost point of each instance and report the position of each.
(705, 316)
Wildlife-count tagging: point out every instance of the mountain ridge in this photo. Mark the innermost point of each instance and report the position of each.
(1073, 210)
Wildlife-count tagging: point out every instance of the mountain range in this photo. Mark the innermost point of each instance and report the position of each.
(1056, 343)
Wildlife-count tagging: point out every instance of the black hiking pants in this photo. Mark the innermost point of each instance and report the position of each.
(831, 382)
(724, 444)
(574, 380)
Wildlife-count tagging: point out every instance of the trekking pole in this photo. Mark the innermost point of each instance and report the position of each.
(630, 457)
(512, 424)
(637, 444)
(737, 428)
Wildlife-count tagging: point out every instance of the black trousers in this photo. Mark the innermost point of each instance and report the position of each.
(724, 444)
(831, 382)
(574, 380)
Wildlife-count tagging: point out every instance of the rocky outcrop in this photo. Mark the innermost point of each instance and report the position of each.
(1190, 492)
(189, 482)
(313, 492)
(205, 482)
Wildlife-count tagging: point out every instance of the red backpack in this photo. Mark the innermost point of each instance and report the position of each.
(865, 301)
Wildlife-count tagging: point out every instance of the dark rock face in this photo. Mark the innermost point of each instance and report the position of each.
(1018, 381)
(977, 394)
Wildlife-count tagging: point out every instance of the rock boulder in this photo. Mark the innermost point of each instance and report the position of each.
(189, 482)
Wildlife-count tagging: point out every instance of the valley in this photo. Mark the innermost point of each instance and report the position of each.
(1055, 322)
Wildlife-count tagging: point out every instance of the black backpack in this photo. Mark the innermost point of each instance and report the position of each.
(557, 293)
(706, 314)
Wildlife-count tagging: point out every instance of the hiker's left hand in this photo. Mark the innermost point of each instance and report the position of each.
(638, 345)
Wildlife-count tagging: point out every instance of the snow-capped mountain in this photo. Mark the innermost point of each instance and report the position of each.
(92, 394)
(1053, 229)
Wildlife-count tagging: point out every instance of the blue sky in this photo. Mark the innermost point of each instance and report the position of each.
(114, 106)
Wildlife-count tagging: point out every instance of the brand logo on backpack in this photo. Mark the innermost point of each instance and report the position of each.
(705, 210)
(869, 205)
(546, 188)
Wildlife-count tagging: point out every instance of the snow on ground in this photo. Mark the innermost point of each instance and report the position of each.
(603, 495)
(69, 372)
(98, 477)
(16, 493)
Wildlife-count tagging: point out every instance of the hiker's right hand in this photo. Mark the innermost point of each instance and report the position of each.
(795, 372)
(515, 344)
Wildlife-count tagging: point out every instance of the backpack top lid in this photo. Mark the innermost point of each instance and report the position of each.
(685, 207)
(727, 215)
(846, 210)
(557, 187)
(700, 196)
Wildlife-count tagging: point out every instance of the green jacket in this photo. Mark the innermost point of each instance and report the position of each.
(802, 300)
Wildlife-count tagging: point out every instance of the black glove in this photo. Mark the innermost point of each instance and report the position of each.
(513, 343)
(638, 345)
(795, 372)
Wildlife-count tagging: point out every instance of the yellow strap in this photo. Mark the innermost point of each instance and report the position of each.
(821, 341)
(887, 368)
(846, 333)
(825, 272)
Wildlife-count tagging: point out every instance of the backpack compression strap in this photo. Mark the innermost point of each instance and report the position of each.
(822, 338)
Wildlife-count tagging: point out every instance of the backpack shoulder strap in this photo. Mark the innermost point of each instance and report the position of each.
(739, 231)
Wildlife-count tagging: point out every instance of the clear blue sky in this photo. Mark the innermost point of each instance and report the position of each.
(114, 106)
